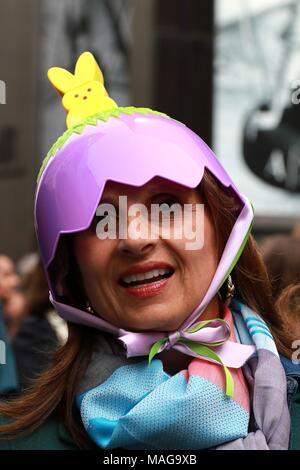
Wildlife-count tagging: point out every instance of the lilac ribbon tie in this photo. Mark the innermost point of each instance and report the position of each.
(197, 341)
(209, 340)
(214, 333)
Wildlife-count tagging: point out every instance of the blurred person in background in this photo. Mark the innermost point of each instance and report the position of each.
(288, 307)
(281, 255)
(33, 329)
(10, 294)
(9, 281)
(41, 331)
(14, 313)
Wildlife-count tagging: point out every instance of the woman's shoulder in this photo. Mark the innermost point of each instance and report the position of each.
(51, 435)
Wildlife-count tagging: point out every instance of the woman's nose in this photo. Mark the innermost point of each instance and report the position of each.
(136, 247)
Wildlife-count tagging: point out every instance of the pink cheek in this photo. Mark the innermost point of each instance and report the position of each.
(96, 252)
(177, 244)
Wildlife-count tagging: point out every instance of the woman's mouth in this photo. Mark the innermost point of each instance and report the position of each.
(147, 283)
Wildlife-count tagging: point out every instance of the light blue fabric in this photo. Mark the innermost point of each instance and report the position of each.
(138, 406)
(256, 327)
(143, 407)
(241, 332)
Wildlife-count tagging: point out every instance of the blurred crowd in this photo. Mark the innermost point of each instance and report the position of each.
(281, 254)
(29, 326)
(33, 331)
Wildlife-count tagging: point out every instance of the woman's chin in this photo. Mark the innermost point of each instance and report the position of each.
(151, 322)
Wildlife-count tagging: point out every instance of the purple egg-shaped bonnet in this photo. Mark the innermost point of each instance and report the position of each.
(131, 146)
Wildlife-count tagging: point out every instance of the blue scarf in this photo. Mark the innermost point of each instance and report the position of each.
(127, 403)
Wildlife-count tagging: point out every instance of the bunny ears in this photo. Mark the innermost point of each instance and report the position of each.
(83, 94)
(86, 70)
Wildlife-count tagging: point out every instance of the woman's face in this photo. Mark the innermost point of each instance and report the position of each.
(9, 280)
(119, 274)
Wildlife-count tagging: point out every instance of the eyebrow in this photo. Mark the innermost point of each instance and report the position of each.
(109, 200)
(164, 187)
(153, 189)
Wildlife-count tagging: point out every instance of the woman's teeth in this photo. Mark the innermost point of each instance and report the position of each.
(154, 275)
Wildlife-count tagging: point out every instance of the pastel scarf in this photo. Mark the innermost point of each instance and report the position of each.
(131, 404)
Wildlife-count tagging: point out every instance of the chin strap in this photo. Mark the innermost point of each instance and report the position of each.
(198, 344)
(209, 340)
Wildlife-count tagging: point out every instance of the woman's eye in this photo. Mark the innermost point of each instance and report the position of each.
(166, 208)
(169, 206)
(167, 202)
(108, 216)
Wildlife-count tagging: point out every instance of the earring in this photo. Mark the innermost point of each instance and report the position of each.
(89, 308)
(230, 290)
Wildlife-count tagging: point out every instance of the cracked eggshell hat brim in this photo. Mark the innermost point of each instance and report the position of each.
(131, 146)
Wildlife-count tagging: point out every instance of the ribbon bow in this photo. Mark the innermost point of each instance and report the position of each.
(195, 340)
(198, 341)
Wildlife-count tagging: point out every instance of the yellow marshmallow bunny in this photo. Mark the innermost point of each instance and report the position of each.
(83, 94)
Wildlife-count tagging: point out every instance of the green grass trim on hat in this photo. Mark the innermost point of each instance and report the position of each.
(93, 120)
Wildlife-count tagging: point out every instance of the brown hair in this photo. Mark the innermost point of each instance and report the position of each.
(288, 308)
(58, 385)
(36, 291)
(281, 254)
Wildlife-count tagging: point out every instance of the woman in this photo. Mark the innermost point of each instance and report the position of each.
(11, 295)
(165, 347)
